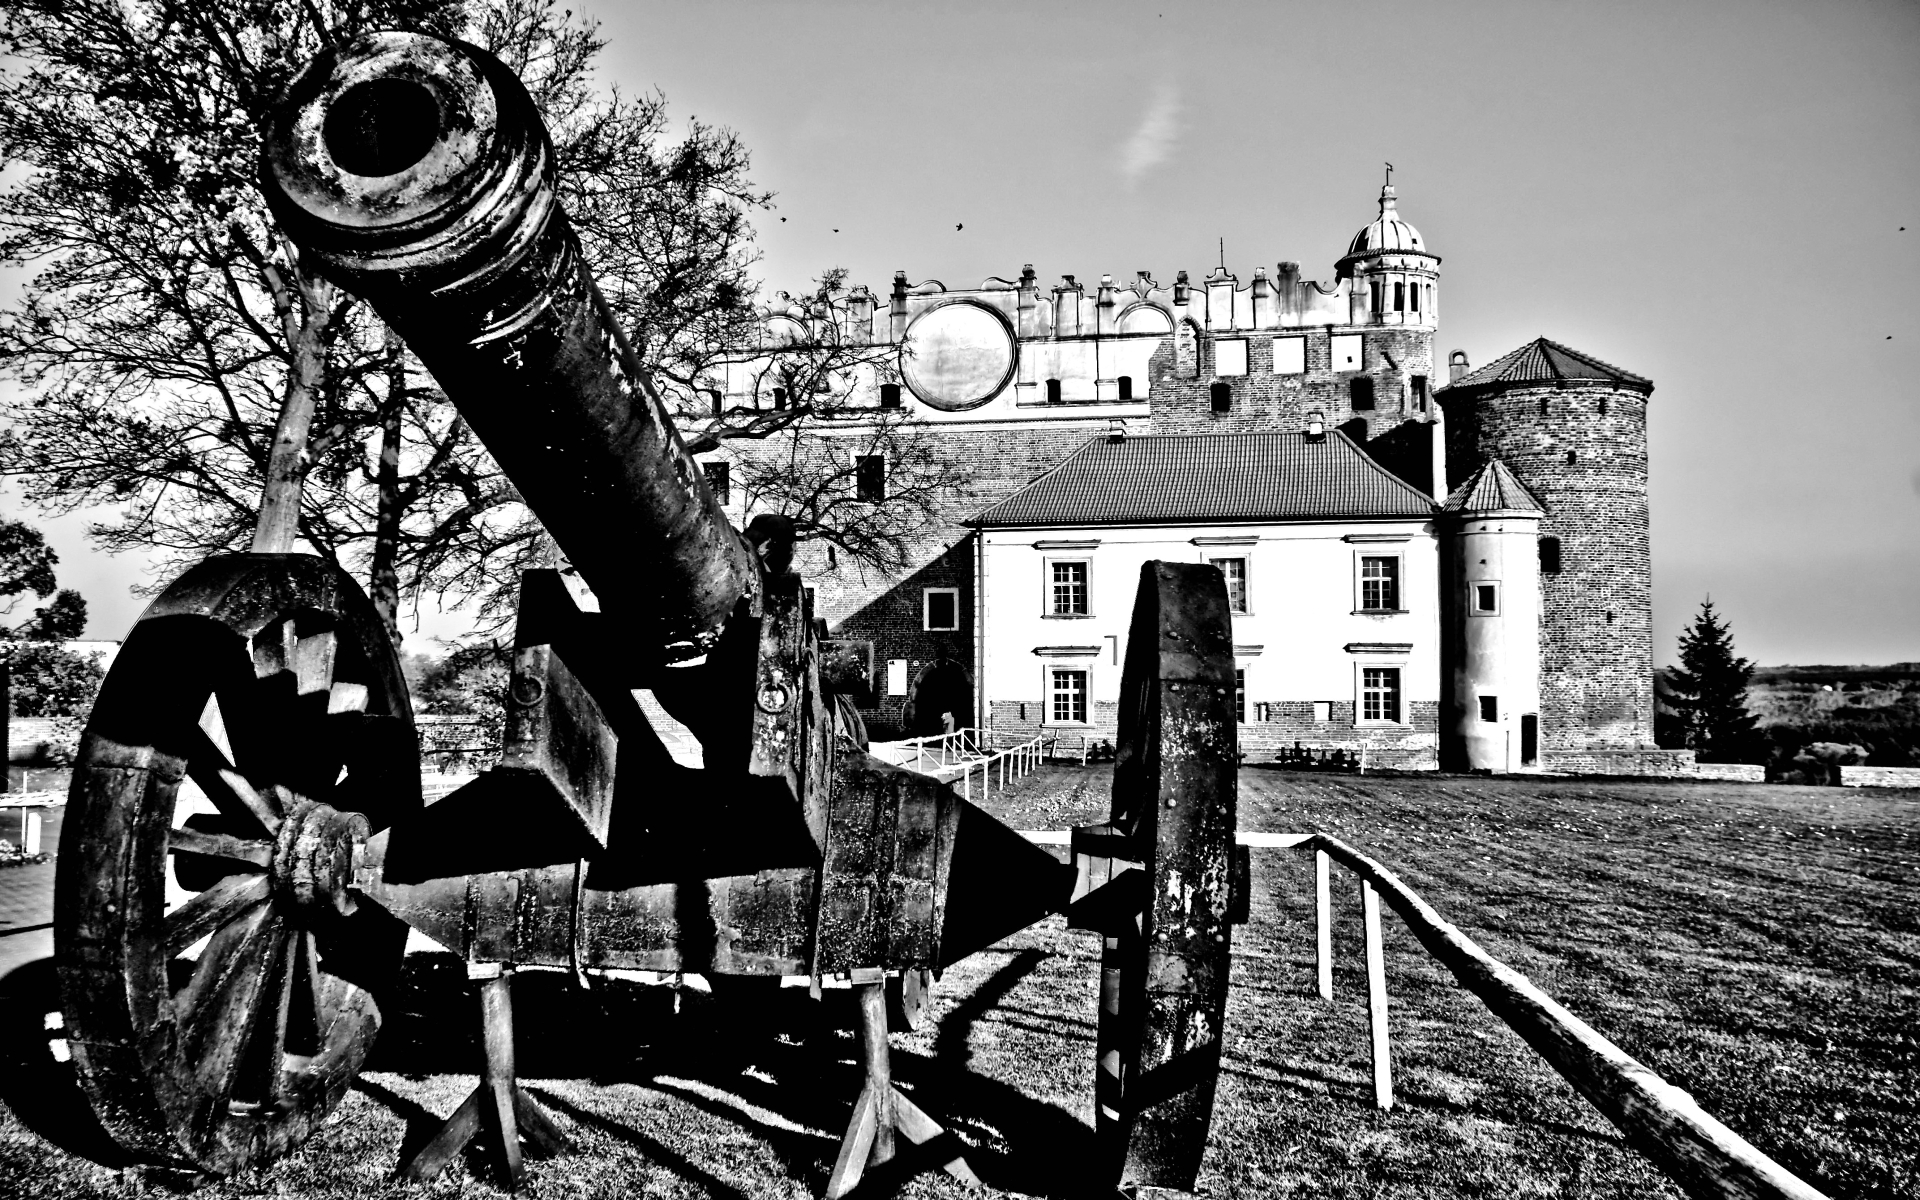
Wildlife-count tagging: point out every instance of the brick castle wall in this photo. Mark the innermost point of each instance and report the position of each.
(1583, 451)
(1263, 401)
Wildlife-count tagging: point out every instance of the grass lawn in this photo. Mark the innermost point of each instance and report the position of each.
(1756, 945)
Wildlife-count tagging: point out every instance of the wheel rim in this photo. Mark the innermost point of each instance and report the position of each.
(221, 979)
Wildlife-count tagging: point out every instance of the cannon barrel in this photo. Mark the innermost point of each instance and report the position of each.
(416, 172)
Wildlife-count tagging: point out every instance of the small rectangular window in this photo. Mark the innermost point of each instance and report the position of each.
(1549, 556)
(940, 608)
(1399, 297)
(1490, 709)
(1235, 569)
(1419, 393)
(1486, 599)
(896, 677)
(870, 477)
(1290, 356)
(889, 395)
(1360, 389)
(1380, 694)
(1053, 391)
(1380, 583)
(1068, 589)
(1240, 694)
(719, 481)
(1322, 711)
(1067, 702)
(1413, 297)
(1230, 356)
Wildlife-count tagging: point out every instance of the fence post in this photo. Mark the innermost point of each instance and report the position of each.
(1323, 924)
(1377, 998)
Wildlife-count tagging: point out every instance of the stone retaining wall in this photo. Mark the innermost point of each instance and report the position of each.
(1900, 777)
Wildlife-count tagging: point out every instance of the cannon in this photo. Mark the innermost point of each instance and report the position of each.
(246, 846)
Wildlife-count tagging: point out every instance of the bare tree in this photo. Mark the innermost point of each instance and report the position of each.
(180, 365)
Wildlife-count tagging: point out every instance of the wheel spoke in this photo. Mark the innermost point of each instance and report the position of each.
(273, 1055)
(221, 845)
(313, 663)
(214, 909)
(233, 795)
(221, 1003)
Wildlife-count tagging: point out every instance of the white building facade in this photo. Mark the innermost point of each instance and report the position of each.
(1332, 569)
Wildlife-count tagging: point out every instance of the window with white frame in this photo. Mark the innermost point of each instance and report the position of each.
(1067, 587)
(1380, 695)
(940, 609)
(1230, 356)
(1379, 583)
(1066, 696)
(1235, 569)
(1486, 597)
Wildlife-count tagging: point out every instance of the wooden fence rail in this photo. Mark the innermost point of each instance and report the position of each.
(1708, 1160)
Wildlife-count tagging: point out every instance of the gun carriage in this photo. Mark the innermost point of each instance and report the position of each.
(246, 845)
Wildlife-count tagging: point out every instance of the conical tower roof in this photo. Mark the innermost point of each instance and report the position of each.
(1494, 488)
(1542, 362)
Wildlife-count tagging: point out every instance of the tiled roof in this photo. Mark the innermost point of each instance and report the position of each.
(1542, 361)
(1493, 488)
(1215, 477)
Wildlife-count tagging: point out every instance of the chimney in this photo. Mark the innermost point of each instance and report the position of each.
(1117, 430)
(1457, 366)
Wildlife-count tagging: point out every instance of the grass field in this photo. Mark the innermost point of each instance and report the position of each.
(1755, 945)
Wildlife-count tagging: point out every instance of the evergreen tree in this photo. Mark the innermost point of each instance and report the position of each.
(1709, 689)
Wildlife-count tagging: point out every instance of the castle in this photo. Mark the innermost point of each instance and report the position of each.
(1441, 573)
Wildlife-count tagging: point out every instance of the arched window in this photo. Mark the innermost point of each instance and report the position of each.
(779, 398)
(1360, 391)
(1125, 386)
(1222, 397)
(1373, 289)
(889, 395)
(1399, 297)
(1053, 391)
(1413, 296)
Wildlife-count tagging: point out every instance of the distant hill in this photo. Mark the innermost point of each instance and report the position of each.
(1892, 672)
(1874, 707)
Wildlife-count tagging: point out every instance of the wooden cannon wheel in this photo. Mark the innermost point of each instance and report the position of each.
(220, 980)
(1167, 933)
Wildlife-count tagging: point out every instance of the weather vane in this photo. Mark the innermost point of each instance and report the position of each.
(1389, 174)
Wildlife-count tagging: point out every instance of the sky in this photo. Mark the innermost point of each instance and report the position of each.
(1708, 194)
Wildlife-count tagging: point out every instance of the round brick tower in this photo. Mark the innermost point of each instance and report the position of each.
(1574, 430)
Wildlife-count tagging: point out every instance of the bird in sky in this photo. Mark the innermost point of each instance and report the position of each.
(836, 231)
(783, 220)
(960, 226)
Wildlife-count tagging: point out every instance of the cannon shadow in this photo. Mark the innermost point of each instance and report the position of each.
(770, 1060)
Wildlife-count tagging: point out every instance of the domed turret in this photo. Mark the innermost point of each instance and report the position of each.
(1393, 272)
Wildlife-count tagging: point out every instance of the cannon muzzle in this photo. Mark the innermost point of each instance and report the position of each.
(416, 172)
